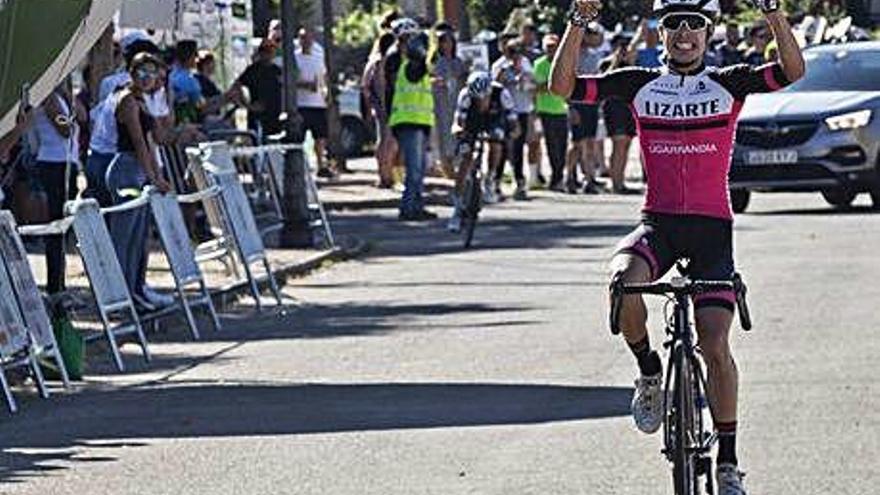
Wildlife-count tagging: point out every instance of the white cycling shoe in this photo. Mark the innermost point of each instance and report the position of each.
(647, 403)
(729, 480)
(489, 196)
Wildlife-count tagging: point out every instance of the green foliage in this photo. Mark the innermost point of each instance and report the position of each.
(360, 27)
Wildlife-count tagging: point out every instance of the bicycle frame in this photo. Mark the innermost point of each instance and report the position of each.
(687, 444)
(686, 385)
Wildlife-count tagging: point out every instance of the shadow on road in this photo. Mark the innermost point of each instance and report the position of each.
(106, 418)
(390, 237)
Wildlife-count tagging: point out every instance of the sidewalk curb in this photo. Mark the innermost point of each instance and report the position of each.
(349, 247)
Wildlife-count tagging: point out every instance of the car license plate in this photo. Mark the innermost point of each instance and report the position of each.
(771, 157)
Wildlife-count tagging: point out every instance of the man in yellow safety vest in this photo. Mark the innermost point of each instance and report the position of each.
(410, 106)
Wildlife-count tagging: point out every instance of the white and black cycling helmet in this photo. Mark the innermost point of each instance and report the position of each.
(709, 8)
(479, 84)
(404, 26)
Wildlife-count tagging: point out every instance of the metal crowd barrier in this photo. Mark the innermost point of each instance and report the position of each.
(181, 256)
(16, 345)
(105, 275)
(30, 301)
(213, 162)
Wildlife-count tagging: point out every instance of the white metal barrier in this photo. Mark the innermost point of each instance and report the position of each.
(111, 293)
(30, 301)
(217, 169)
(181, 256)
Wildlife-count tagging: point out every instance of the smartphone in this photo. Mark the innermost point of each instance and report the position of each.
(652, 24)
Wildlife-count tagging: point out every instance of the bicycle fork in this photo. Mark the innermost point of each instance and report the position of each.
(685, 385)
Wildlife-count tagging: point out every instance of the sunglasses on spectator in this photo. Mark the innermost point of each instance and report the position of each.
(693, 20)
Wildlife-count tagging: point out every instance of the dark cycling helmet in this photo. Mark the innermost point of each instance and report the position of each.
(479, 84)
(404, 26)
(709, 8)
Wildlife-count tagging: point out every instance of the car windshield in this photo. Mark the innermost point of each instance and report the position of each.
(843, 70)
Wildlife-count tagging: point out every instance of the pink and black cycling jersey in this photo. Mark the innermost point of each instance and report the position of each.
(686, 125)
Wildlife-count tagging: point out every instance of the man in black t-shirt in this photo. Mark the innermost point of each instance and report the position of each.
(263, 79)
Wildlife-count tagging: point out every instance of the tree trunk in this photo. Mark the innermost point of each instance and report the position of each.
(334, 129)
(296, 232)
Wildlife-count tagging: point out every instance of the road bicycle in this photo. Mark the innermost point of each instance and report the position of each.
(472, 195)
(687, 439)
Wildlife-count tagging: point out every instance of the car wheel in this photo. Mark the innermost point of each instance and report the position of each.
(739, 200)
(353, 137)
(839, 197)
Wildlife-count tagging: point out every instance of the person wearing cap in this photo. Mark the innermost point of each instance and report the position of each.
(409, 102)
(686, 113)
(553, 112)
(104, 133)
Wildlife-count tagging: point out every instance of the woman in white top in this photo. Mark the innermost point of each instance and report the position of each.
(57, 131)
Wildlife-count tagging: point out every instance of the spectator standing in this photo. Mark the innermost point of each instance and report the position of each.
(514, 71)
(532, 51)
(619, 121)
(104, 131)
(263, 80)
(133, 167)
(311, 96)
(728, 52)
(449, 76)
(410, 106)
(57, 159)
(188, 97)
(206, 64)
(373, 89)
(584, 119)
(647, 45)
(553, 112)
(759, 36)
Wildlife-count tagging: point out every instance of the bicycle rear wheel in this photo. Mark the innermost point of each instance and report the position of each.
(685, 434)
(471, 201)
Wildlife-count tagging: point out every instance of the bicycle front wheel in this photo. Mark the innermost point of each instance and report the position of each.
(685, 434)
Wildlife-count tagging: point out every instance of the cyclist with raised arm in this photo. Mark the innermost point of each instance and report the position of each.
(686, 118)
(484, 107)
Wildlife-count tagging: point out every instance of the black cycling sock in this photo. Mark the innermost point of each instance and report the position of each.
(726, 443)
(649, 361)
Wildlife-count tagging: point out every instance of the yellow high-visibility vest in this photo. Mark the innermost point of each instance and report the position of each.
(413, 103)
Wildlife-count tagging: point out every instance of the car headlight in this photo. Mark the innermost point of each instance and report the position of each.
(851, 120)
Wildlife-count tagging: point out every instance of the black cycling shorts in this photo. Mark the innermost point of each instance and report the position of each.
(663, 239)
(619, 119)
(587, 122)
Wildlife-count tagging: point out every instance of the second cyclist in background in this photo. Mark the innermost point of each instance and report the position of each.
(484, 107)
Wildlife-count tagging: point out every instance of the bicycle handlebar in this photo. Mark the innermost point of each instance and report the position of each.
(681, 287)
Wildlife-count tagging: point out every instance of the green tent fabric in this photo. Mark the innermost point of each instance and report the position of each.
(41, 42)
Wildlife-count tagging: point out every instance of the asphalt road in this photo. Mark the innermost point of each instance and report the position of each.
(423, 369)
